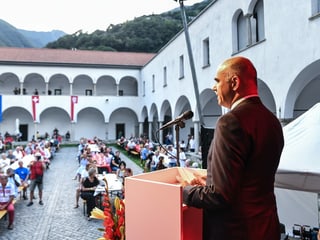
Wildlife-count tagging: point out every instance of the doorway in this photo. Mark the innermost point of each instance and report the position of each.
(120, 130)
(23, 128)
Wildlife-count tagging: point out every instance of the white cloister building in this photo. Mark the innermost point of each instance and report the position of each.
(131, 94)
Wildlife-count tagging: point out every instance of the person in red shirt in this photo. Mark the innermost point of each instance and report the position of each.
(37, 168)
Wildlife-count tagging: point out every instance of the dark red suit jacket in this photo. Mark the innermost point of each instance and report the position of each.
(238, 200)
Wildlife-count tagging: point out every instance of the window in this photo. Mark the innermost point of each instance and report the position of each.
(164, 76)
(206, 52)
(250, 27)
(144, 88)
(153, 83)
(181, 69)
(242, 35)
(257, 22)
(315, 5)
(120, 92)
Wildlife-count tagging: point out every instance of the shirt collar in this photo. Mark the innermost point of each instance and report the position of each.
(236, 103)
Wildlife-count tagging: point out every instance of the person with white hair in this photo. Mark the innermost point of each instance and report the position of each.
(18, 153)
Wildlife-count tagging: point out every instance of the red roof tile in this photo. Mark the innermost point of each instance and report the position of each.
(64, 56)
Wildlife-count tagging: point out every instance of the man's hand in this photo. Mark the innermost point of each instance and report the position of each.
(197, 180)
(182, 182)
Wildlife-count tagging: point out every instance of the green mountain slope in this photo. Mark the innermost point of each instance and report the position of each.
(11, 37)
(41, 39)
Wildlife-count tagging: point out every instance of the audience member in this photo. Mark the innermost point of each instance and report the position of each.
(14, 179)
(172, 153)
(192, 144)
(2, 145)
(29, 149)
(83, 163)
(155, 160)
(183, 145)
(84, 175)
(37, 168)
(144, 154)
(123, 171)
(4, 162)
(105, 164)
(160, 165)
(182, 158)
(11, 156)
(88, 188)
(23, 173)
(18, 153)
(115, 162)
(6, 198)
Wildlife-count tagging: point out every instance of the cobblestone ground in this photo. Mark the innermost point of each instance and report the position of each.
(56, 219)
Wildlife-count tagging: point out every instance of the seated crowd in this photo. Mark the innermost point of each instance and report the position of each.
(96, 159)
(158, 157)
(17, 171)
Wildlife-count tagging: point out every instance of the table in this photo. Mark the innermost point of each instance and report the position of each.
(114, 184)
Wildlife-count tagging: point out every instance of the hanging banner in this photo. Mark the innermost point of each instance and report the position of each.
(74, 100)
(35, 101)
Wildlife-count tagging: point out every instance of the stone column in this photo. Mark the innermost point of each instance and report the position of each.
(140, 128)
(150, 130)
(21, 88)
(47, 88)
(71, 91)
(94, 89)
(196, 135)
(161, 132)
(107, 131)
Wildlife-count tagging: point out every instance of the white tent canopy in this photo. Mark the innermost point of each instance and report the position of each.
(299, 166)
(298, 176)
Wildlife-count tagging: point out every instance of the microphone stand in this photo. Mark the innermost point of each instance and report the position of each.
(177, 127)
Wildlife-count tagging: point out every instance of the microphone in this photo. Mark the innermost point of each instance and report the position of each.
(184, 116)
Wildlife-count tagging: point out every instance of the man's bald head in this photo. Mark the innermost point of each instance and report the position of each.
(236, 78)
(240, 66)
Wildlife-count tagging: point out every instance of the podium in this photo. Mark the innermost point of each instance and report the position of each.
(154, 208)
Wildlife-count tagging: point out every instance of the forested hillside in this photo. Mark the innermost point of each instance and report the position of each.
(143, 34)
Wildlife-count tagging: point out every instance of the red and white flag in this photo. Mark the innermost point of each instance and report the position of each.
(35, 100)
(74, 100)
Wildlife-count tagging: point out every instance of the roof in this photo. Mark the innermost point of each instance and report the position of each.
(65, 56)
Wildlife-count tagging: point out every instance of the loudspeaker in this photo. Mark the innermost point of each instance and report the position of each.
(206, 139)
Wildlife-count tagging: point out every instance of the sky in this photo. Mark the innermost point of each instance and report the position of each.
(73, 15)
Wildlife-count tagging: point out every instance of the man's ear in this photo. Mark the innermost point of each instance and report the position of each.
(235, 81)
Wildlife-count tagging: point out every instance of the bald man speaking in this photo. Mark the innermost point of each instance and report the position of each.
(238, 199)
